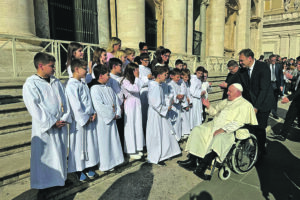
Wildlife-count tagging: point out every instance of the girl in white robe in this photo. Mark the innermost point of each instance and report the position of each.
(133, 129)
(106, 104)
(83, 148)
(186, 109)
(47, 104)
(161, 144)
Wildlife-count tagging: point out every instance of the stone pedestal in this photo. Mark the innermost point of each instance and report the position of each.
(103, 22)
(131, 22)
(216, 25)
(243, 25)
(175, 25)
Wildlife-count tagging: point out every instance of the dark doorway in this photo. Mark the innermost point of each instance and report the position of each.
(151, 27)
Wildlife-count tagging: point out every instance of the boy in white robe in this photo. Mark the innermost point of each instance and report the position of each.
(83, 147)
(145, 76)
(197, 93)
(160, 142)
(115, 66)
(207, 87)
(186, 108)
(107, 106)
(45, 100)
(175, 114)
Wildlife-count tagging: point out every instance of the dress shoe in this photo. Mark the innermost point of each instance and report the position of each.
(161, 163)
(189, 164)
(200, 172)
(278, 137)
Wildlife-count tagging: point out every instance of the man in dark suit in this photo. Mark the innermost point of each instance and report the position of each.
(256, 81)
(276, 80)
(294, 109)
(232, 77)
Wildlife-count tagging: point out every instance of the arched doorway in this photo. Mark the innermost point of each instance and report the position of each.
(151, 25)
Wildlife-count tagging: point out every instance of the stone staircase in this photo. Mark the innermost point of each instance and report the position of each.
(15, 138)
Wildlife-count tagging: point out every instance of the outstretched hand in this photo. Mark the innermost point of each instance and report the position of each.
(205, 102)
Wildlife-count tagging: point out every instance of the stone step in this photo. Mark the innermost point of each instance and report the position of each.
(15, 142)
(13, 129)
(14, 166)
(10, 92)
(12, 107)
(14, 119)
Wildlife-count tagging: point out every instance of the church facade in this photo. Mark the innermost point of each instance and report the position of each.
(206, 32)
(281, 28)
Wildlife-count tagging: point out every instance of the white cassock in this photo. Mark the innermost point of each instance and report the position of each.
(175, 114)
(229, 116)
(185, 115)
(161, 144)
(114, 83)
(88, 78)
(195, 91)
(143, 76)
(133, 127)
(107, 106)
(47, 104)
(83, 147)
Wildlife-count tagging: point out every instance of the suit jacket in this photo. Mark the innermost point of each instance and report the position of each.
(258, 90)
(278, 75)
(296, 95)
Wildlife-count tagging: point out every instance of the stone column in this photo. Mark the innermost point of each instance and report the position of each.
(175, 25)
(131, 22)
(293, 45)
(203, 6)
(243, 25)
(103, 22)
(113, 18)
(160, 22)
(216, 25)
(17, 17)
(190, 28)
(41, 13)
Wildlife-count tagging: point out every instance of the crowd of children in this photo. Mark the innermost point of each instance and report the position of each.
(113, 104)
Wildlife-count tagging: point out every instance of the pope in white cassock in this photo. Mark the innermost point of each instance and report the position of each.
(45, 100)
(215, 138)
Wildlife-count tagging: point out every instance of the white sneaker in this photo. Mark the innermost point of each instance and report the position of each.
(135, 156)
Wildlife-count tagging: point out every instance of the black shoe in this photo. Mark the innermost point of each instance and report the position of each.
(189, 164)
(200, 172)
(278, 137)
(162, 163)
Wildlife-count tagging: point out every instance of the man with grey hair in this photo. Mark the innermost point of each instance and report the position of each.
(215, 138)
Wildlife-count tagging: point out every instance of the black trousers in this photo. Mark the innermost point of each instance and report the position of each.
(292, 113)
(276, 92)
(260, 130)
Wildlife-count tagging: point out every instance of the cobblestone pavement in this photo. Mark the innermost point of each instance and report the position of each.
(276, 177)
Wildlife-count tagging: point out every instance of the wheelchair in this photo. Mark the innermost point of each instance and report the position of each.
(240, 159)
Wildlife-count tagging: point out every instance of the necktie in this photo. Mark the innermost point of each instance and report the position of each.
(273, 72)
(249, 70)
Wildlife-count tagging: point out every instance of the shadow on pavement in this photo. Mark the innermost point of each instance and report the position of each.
(279, 173)
(136, 185)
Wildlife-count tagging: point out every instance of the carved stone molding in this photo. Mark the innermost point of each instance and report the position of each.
(205, 2)
(296, 4)
(287, 5)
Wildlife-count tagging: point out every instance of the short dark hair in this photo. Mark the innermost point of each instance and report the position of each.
(185, 72)
(205, 71)
(272, 56)
(43, 58)
(176, 71)
(232, 63)
(77, 63)
(200, 68)
(100, 69)
(178, 62)
(142, 44)
(144, 55)
(114, 61)
(247, 53)
(159, 70)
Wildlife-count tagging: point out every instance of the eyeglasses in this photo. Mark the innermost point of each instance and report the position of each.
(168, 56)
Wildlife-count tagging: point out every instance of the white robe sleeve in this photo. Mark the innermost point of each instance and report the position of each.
(72, 93)
(67, 110)
(105, 111)
(33, 104)
(69, 71)
(131, 88)
(155, 101)
(215, 110)
(173, 93)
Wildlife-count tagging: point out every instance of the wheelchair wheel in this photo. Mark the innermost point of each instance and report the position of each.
(224, 173)
(244, 156)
